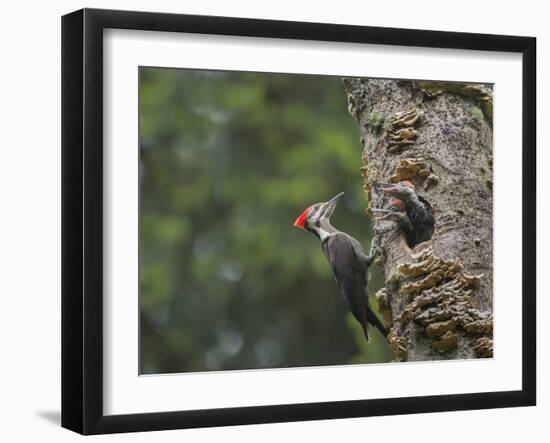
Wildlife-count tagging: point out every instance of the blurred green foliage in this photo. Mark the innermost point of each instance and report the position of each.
(227, 162)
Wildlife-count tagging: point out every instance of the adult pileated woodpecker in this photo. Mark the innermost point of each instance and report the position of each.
(347, 259)
(417, 208)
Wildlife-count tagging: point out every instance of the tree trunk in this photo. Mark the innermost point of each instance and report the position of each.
(438, 295)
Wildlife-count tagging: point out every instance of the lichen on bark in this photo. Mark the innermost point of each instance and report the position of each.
(438, 135)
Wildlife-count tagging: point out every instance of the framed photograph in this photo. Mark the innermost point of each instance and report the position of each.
(269, 221)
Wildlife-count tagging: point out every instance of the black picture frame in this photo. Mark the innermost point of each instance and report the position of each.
(82, 220)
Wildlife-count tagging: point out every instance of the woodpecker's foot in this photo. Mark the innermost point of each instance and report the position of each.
(376, 252)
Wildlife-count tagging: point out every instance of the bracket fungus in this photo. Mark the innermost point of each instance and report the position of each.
(409, 169)
(441, 300)
(400, 130)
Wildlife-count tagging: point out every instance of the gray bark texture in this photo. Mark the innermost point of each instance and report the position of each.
(437, 299)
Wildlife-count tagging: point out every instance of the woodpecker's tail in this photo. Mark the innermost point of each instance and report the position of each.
(366, 331)
(376, 322)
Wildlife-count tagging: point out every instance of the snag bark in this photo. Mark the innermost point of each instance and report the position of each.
(438, 296)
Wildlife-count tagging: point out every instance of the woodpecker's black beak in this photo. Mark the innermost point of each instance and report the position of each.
(384, 213)
(328, 208)
(389, 215)
(387, 187)
(397, 190)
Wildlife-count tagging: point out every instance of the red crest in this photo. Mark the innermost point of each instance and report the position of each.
(301, 220)
(396, 203)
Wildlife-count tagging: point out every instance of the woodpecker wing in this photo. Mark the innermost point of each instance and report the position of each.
(350, 269)
(406, 227)
(429, 209)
